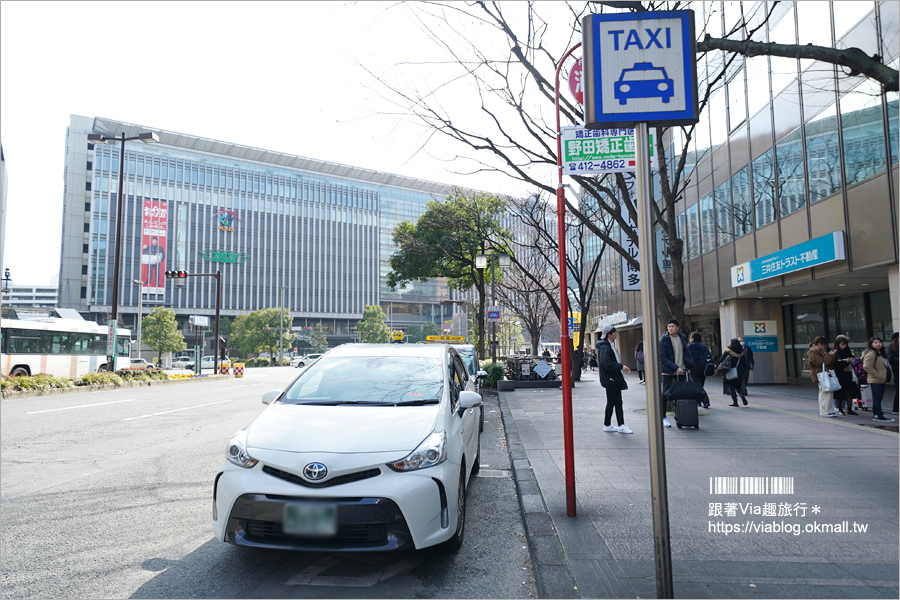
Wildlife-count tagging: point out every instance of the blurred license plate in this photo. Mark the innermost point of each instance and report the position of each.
(310, 518)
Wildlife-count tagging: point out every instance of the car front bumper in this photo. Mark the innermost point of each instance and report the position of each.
(378, 509)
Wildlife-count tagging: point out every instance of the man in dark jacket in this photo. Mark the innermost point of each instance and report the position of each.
(674, 359)
(611, 369)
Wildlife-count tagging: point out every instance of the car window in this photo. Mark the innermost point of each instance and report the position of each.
(643, 75)
(377, 380)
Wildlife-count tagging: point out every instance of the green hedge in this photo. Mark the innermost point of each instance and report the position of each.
(494, 374)
(43, 381)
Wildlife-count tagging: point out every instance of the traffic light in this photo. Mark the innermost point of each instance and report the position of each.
(176, 274)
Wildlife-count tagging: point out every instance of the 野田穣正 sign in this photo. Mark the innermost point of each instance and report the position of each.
(813, 253)
(600, 150)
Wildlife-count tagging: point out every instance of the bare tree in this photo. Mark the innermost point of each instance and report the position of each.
(522, 291)
(583, 257)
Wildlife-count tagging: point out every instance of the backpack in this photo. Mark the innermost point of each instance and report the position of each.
(861, 376)
(709, 364)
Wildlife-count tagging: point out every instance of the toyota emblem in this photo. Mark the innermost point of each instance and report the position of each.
(315, 471)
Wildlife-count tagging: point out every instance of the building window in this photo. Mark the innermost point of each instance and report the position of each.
(87, 186)
(823, 155)
(791, 183)
(724, 232)
(84, 248)
(863, 133)
(707, 224)
(764, 189)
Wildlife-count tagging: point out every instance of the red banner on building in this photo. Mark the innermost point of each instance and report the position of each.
(154, 223)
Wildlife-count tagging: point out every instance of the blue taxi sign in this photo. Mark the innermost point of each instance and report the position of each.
(640, 68)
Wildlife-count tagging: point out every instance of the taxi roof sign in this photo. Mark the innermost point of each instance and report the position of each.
(449, 339)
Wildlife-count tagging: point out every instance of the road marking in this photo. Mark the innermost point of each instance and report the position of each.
(166, 412)
(37, 412)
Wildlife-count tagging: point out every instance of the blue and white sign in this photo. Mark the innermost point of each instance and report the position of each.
(640, 68)
(493, 314)
(761, 336)
(813, 253)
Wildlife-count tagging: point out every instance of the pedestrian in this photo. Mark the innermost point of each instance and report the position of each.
(844, 373)
(639, 359)
(893, 352)
(592, 362)
(674, 359)
(545, 354)
(878, 373)
(700, 356)
(820, 358)
(733, 358)
(611, 378)
(748, 356)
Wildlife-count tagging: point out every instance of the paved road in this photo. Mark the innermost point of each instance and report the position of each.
(108, 495)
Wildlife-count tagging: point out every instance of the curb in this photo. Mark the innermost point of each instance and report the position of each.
(11, 394)
(552, 575)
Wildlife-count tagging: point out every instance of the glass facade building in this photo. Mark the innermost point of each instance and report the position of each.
(787, 151)
(313, 235)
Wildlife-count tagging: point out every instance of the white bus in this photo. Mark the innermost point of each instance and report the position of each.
(62, 347)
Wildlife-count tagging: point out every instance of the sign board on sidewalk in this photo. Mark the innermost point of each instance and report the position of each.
(493, 314)
(761, 336)
(600, 150)
(199, 321)
(640, 68)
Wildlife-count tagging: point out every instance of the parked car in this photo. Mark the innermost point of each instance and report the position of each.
(370, 448)
(470, 359)
(183, 362)
(305, 361)
(140, 363)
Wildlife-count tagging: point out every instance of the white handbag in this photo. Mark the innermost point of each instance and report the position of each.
(829, 381)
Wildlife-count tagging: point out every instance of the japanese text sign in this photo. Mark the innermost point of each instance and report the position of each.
(813, 253)
(600, 150)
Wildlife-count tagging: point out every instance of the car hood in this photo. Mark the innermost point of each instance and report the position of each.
(341, 429)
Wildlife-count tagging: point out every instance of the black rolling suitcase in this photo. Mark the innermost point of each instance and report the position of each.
(686, 414)
(686, 395)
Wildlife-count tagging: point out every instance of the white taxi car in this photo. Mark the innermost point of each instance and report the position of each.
(370, 448)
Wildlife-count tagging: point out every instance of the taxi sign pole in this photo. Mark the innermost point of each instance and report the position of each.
(658, 485)
(564, 340)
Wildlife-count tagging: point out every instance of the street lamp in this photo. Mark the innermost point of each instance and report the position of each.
(481, 262)
(6, 280)
(140, 311)
(148, 138)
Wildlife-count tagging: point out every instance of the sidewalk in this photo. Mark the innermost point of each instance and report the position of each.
(843, 469)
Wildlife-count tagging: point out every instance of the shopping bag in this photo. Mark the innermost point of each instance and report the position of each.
(829, 381)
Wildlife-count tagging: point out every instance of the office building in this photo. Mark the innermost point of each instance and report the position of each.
(314, 233)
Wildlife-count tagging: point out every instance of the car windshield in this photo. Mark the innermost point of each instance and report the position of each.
(376, 380)
(469, 359)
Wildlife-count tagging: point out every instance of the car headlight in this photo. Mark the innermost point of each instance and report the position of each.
(237, 451)
(431, 452)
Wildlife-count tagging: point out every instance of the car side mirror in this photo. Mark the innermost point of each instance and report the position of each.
(480, 374)
(469, 400)
(270, 396)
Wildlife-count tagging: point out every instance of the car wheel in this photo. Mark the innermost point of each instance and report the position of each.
(19, 372)
(476, 467)
(455, 542)
(299, 365)
(481, 425)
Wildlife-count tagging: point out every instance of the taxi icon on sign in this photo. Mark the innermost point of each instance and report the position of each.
(643, 80)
